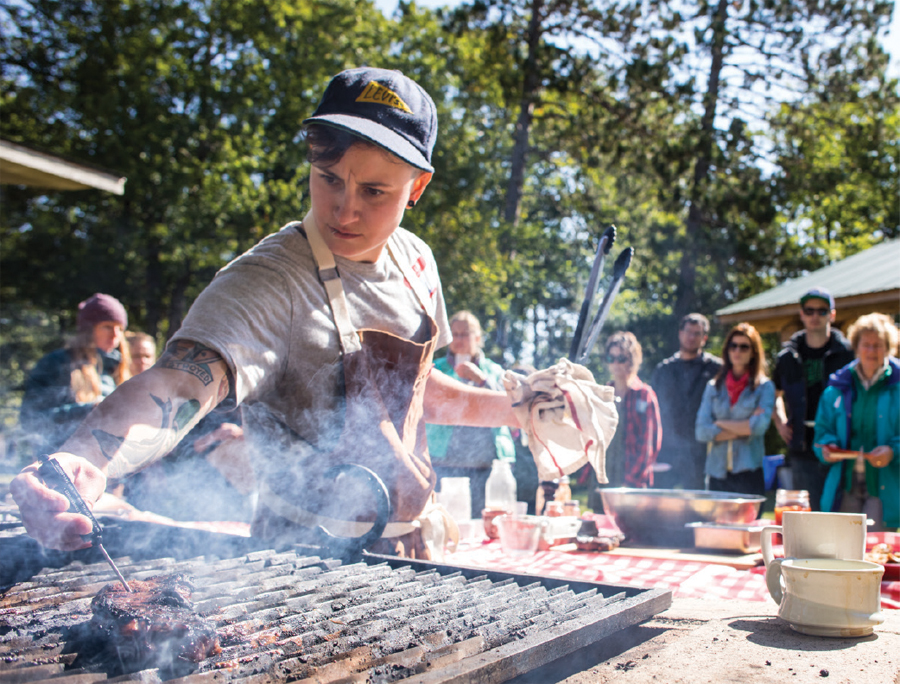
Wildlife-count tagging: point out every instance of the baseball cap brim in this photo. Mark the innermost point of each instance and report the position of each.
(823, 298)
(375, 133)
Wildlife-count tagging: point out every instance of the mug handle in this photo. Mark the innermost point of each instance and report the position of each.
(773, 579)
(765, 539)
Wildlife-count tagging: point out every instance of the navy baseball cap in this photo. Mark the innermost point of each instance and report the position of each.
(818, 293)
(384, 107)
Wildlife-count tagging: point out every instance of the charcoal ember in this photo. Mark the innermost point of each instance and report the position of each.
(155, 624)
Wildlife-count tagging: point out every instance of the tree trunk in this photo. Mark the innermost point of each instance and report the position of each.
(177, 302)
(696, 239)
(153, 291)
(531, 80)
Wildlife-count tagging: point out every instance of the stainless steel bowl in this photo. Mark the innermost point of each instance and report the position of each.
(657, 517)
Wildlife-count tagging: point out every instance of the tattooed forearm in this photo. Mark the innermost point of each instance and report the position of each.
(128, 454)
(191, 357)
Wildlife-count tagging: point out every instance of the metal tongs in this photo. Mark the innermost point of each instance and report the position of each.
(53, 475)
(581, 345)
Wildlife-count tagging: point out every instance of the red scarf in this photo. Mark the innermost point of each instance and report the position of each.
(735, 387)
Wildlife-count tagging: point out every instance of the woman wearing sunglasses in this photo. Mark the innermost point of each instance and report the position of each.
(735, 413)
(633, 450)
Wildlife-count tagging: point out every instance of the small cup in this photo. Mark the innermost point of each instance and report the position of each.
(826, 596)
(519, 534)
(488, 517)
(817, 535)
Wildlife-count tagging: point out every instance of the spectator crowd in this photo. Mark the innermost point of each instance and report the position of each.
(699, 424)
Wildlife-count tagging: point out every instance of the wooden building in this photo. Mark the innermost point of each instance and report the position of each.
(864, 283)
(23, 165)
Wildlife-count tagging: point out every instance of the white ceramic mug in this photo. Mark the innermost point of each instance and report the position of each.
(817, 535)
(827, 596)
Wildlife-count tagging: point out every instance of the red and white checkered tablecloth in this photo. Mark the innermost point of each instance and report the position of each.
(686, 579)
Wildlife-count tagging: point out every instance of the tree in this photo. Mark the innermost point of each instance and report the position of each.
(754, 54)
(838, 155)
(198, 104)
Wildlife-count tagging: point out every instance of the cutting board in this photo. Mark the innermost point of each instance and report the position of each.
(741, 562)
(738, 561)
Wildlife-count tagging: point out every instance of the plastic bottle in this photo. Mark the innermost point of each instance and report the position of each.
(500, 490)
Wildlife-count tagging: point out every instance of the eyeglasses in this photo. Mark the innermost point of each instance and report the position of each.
(616, 359)
(809, 311)
(743, 346)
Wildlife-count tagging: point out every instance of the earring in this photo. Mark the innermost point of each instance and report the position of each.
(410, 204)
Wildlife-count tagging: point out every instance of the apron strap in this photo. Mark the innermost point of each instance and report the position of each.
(330, 278)
(415, 282)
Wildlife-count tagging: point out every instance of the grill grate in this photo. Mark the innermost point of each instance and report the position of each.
(283, 616)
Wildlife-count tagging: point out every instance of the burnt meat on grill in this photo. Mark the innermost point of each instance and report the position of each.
(155, 624)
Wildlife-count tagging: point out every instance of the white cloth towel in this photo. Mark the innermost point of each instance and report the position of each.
(569, 419)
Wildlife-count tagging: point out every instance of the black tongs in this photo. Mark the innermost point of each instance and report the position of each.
(585, 336)
(55, 478)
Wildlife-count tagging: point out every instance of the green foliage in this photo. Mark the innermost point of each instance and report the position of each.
(727, 163)
(839, 157)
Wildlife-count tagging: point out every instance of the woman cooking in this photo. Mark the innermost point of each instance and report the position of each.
(323, 333)
(860, 412)
(735, 413)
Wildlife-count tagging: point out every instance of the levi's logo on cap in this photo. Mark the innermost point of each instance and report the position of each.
(378, 94)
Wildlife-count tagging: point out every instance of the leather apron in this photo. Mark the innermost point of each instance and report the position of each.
(383, 430)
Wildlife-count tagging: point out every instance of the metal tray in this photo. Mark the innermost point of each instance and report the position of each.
(740, 538)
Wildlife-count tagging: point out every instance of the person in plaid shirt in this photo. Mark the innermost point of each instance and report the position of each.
(633, 450)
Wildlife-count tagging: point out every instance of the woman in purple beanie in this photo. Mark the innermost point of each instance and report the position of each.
(66, 384)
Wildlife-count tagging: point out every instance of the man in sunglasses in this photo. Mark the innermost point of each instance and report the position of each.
(801, 375)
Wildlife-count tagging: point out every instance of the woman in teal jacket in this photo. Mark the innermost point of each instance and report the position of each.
(734, 414)
(860, 411)
(458, 451)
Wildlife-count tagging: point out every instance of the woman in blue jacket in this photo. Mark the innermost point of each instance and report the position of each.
(860, 411)
(734, 414)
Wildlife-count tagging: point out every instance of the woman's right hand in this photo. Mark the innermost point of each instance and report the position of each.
(826, 453)
(45, 512)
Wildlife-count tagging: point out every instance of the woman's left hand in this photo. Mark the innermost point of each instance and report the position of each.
(469, 371)
(880, 456)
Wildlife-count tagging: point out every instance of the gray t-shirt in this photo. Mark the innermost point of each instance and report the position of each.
(268, 314)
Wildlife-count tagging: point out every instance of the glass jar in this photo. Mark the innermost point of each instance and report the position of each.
(554, 509)
(790, 500)
(572, 507)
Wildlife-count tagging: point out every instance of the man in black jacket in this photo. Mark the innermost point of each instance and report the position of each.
(679, 382)
(801, 375)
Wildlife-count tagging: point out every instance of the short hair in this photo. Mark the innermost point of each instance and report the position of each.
(629, 344)
(137, 337)
(758, 365)
(695, 319)
(471, 319)
(877, 323)
(327, 145)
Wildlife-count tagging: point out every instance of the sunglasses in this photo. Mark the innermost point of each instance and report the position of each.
(743, 346)
(616, 359)
(809, 311)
